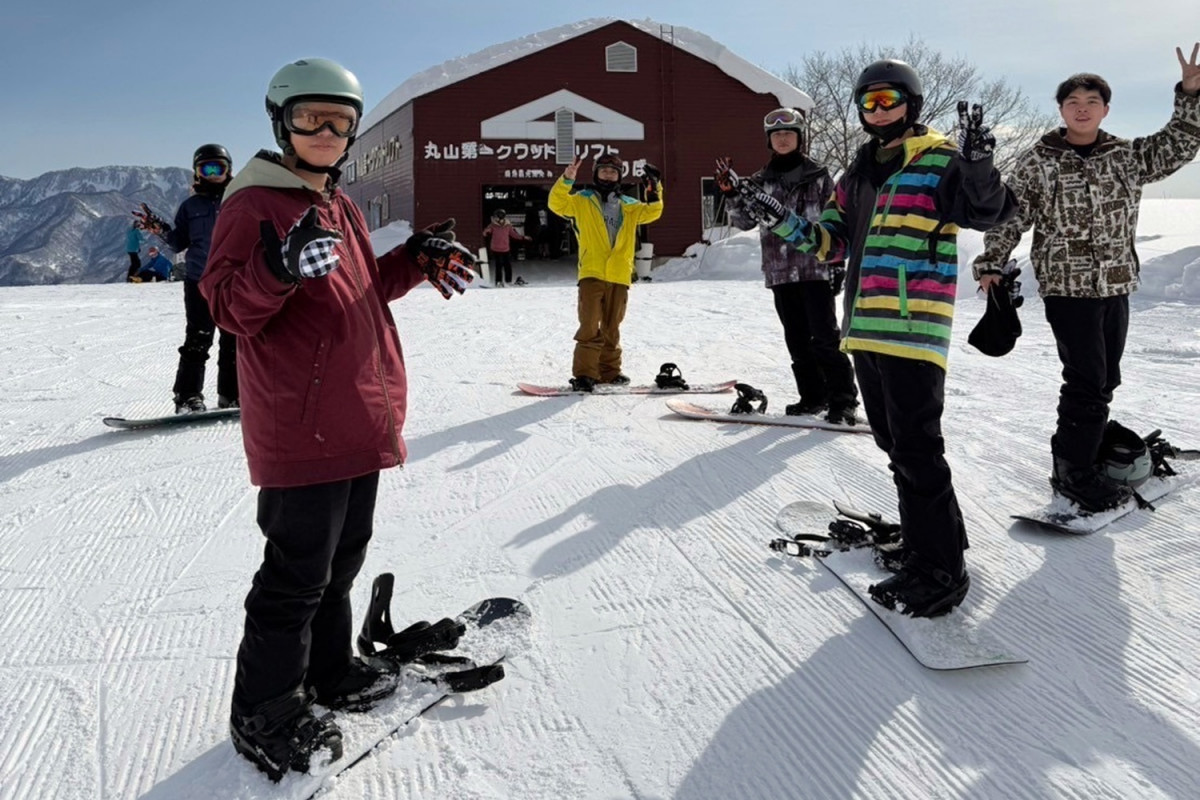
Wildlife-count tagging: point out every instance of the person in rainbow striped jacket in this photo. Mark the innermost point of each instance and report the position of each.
(894, 217)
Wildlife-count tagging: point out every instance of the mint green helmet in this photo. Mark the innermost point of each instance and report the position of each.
(310, 79)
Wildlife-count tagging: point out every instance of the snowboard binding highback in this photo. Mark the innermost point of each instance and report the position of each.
(420, 646)
(669, 377)
(858, 529)
(747, 397)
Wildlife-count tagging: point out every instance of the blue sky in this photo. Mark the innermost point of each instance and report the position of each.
(138, 82)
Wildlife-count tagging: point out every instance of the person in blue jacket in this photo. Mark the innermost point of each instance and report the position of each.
(134, 239)
(156, 267)
(192, 231)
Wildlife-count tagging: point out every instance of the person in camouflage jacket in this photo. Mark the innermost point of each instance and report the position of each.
(804, 289)
(1079, 189)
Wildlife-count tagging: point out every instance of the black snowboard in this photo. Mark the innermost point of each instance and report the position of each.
(173, 420)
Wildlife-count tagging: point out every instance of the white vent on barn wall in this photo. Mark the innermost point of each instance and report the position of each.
(620, 57)
(564, 136)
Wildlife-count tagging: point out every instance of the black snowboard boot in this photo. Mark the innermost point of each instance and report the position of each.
(583, 383)
(282, 734)
(193, 404)
(921, 590)
(1088, 487)
(361, 686)
(620, 379)
(842, 413)
(805, 408)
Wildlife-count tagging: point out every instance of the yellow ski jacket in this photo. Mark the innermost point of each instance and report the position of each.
(597, 258)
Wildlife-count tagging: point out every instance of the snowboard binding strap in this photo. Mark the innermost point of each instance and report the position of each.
(746, 399)
(418, 645)
(669, 377)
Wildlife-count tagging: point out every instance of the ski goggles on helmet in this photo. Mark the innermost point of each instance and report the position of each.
(885, 99)
(308, 118)
(782, 118)
(212, 169)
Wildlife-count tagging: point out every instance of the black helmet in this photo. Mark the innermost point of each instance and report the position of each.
(893, 72)
(211, 152)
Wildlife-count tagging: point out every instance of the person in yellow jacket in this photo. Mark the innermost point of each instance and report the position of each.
(606, 225)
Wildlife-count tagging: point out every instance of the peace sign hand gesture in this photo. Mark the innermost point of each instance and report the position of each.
(975, 140)
(1191, 70)
(572, 168)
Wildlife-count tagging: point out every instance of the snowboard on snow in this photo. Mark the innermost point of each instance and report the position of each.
(496, 629)
(954, 641)
(173, 420)
(1063, 516)
(691, 410)
(609, 388)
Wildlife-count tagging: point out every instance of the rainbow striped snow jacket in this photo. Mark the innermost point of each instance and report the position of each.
(899, 241)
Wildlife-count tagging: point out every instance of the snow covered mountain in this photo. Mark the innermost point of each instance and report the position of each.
(69, 226)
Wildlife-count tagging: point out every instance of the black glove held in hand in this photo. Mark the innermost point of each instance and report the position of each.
(307, 252)
(762, 207)
(837, 277)
(148, 221)
(445, 262)
(975, 140)
(650, 180)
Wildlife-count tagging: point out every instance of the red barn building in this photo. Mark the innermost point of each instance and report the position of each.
(495, 129)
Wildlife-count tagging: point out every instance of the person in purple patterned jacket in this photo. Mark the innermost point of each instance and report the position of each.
(804, 288)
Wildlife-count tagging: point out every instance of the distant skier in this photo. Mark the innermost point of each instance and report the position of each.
(895, 216)
(324, 398)
(499, 236)
(1079, 189)
(134, 239)
(804, 288)
(607, 222)
(192, 231)
(156, 267)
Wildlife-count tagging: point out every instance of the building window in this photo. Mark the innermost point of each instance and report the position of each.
(386, 213)
(373, 216)
(564, 136)
(350, 171)
(620, 57)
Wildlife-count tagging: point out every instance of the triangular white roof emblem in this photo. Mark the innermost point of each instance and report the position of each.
(523, 121)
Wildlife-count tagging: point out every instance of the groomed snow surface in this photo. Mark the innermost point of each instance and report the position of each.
(673, 655)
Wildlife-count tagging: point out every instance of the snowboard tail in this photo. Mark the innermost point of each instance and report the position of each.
(173, 420)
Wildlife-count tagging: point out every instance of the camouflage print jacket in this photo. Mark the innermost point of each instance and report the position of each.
(1084, 211)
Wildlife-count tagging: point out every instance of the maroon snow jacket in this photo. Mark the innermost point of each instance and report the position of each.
(321, 372)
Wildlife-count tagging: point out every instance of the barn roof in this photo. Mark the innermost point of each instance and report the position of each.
(686, 39)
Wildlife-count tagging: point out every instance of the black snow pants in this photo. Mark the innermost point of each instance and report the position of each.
(1090, 332)
(903, 399)
(197, 341)
(810, 330)
(299, 625)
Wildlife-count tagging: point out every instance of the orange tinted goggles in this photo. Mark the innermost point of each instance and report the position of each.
(886, 99)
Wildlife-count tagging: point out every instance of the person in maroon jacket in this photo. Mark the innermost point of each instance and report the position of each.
(323, 396)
